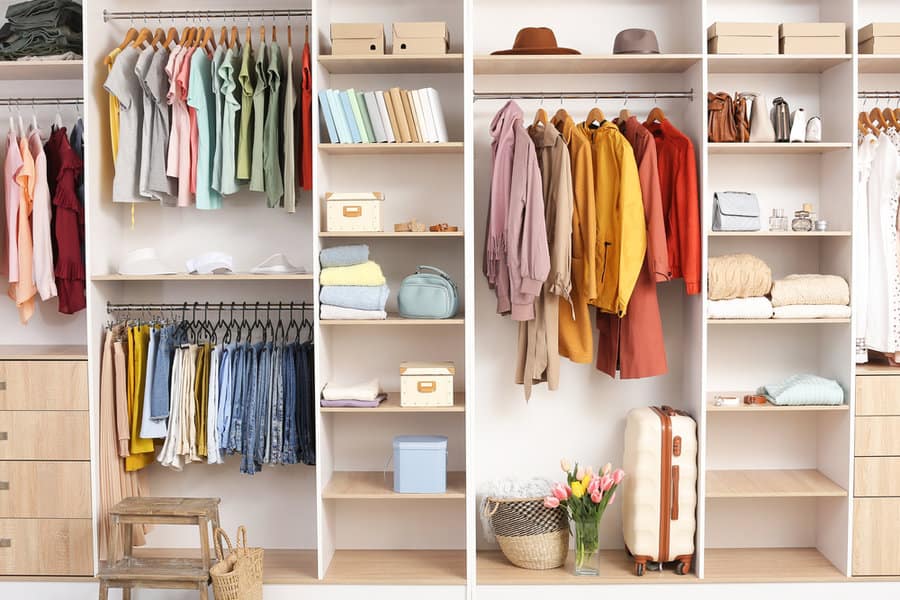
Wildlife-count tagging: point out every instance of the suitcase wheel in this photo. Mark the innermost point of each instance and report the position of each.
(639, 569)
(682, 568)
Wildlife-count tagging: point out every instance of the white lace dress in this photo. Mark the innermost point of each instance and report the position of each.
(867, 146)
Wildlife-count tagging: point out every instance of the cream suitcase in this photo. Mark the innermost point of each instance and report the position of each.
(359, 211)
(426, 383)
(660, 487)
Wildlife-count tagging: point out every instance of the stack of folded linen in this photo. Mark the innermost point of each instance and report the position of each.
(803, 390)
(363, 395)
(352, 286)
(738, 284)
(811, 297)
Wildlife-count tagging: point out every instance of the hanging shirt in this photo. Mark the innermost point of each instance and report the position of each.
(866, 154)
(288, 129)
(231, 106)
(260, 95)
(76, 140)
(272, 149)
(216, 83)
(141, 448)
(200, 98)
(151, 428)
(305, 171)
(124, 85)
(40, 220)
(25, 289)
(247, 78)
(141, 68)
(11, 165)
(156, 131)
(188, 166)
(113, 110)
(178, 157)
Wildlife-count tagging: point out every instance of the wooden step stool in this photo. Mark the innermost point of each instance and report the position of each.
(124, 570)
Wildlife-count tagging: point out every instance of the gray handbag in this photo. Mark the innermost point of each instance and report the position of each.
(429, 293)
(735, 211)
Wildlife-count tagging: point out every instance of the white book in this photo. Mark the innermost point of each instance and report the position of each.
(420, 115)
(429, 115)
(439, 122)
(385, 118)
(375, 117)
(337, 114)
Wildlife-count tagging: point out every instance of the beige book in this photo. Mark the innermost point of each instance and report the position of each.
(410, 117)
(399, 116)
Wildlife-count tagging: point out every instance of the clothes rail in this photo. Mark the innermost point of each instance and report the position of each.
(621, 95)
(40, 101)
(880, 95)
(125, 15)
(215, 306)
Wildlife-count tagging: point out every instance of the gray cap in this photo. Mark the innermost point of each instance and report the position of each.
(636, 41)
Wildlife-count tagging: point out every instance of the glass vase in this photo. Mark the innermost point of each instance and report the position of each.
(587, 546)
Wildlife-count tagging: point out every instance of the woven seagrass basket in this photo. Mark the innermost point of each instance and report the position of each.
(530, 535)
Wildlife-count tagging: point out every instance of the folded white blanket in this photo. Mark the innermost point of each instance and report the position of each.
(810, 289)
(339, 312)
(812, 311)
(740, 308)
(368, 390)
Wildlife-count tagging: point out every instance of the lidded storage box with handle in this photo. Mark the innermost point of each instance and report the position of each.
(426, 383)
(420, 464)
(357, 38)
(354, 211)
(421, 38)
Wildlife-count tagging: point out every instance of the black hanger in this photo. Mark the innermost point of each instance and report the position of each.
(292, 324)
(279, 329)
(244, 323)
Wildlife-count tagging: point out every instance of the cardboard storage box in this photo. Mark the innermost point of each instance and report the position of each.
(421, 38)
(426, 383)
(880, 38)
(358, 211)
(743, 38)
(813, 38)
(420, 464)
(357, 38)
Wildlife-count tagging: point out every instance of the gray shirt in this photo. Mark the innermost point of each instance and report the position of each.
(231, 106)
(124, 85)
(290, 102)
(272, 134)
(156, 84)
(217, 58)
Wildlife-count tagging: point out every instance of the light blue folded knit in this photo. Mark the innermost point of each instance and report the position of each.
(801, 390)
(360, 297)
(344, 256)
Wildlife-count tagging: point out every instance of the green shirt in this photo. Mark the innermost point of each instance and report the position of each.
(257, 179)
(290, 102)
(245, 141)
(274, 182)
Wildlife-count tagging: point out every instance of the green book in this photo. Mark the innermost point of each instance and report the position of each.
(367, 121)
(357, 114)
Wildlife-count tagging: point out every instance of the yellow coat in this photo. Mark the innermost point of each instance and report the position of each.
(621, 228)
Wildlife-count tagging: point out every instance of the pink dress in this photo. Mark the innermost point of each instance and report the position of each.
(11, 165)
(189, 162)
(25, 290)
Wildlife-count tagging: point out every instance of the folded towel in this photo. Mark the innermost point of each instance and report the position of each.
(354, 403)
(810, 289)
(368, 273)
(344, 256)
(368, 390)
(740, 308)
(738, 276)
(800, 390)
(340, 313)
(360, 297)
(813, 311)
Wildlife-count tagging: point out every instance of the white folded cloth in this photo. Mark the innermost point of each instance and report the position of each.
(368, 390)
(813, 311)
(758, 307)
(339, 312)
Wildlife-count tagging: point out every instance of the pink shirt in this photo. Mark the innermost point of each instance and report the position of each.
(178, 161)
(24, 290)
(189, 163)
(11, 166)
(40, 221)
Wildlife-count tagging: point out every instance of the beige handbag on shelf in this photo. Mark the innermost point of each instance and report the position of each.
(761, 128)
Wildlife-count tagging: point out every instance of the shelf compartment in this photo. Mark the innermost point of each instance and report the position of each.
(779, 234)
(390, 149)
(766, 408)
(280, 567)
(879, 63)
(391, 63)
(777, 148)
(777, 321)
(775, 63)
(393, 319)
(579, 64)
(37, 70)
(199, 277)
(616, 567)
(771, 483)
(397, 567)
(392, 234)
(392, 406)
(770, 565)
(377, 485)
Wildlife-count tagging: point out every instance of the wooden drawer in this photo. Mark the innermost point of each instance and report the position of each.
(876, 536)
(877, 476)
(877, 436)
(43, 385)
(44, 435)
(877, 395)
(46, 547)
(49, 490)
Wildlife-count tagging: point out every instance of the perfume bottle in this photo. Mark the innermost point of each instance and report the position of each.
(801, 221)
(777, 222)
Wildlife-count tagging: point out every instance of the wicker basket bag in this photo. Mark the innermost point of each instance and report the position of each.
(530, 535)
(239, 573)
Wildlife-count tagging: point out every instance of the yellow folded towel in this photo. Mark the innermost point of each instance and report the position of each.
(368, 273)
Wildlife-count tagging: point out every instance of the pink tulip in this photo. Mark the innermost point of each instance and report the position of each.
(559, 492)
(568, 491)
(617, 476)
(579, 474)
(606, 482)
(551, 502)
(612, 498)
(594, 485)
(565, 465)
(596, 496)
(606, 469)
(589, 471)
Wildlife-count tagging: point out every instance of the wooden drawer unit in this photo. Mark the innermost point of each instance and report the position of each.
(44, 435)
(48, 490)
(46, 547)
(876, 536)
(877, 476)
(878, 436)
(43, 385)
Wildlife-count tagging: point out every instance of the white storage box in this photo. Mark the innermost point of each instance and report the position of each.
(742, 38)
(880, 38)
(426, 383)
(354, 211)
(421, 38)
(813, 38)
(357, 38)
(420, 464)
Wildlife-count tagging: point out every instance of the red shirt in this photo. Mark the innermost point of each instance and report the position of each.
(305, 169)
(63, 170)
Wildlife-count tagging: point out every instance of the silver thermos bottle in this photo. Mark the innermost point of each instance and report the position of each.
(782, 120)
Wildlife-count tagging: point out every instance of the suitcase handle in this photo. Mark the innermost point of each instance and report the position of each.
(675, 474)
(673, 412)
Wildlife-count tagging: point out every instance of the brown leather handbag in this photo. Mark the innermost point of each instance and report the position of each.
(720, 109)
(741, 119)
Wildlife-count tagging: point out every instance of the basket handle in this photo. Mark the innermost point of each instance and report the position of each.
(490, 512)
(218, 534)
(242, 538)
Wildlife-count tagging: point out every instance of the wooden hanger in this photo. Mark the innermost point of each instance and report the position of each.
(209, 39)
(247, 39)
(223, 36)
(290, 35)
(130, 36)
(142, 37)
(307, 33)
(274, 34)
(595, 118)
(234, 36)
(158, 37)
(656, 114)
(877, 117)
(187, 36)
(890, 117)
(865, 125)
(262, 34)
(172, 36)
(540, 118)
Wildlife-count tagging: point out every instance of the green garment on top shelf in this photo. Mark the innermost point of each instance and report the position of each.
(247, 81)
(257, 178)
(273, 178)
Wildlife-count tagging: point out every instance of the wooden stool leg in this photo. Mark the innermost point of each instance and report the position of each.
(204, 591)
(126, 592)
(128, 540)
(104, 591)
(204, 542)
(113, 550)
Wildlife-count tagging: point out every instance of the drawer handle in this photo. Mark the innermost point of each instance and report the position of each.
(4, 486)
(352, 211)
(426, 387)
(2, 386)
(5, 543)
(4, 435)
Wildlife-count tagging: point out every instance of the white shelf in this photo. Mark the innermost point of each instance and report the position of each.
(778, 148)
(879, 63)
(774, 483)
(198, 277)
(392, 234)
(775, 63)
(392, 149)
(393, 319)
(41, 70)
(377, 485)
(392, 63)
(777, 321)
(391, 405)
(779, 234)
(580, 64)
(766, 408)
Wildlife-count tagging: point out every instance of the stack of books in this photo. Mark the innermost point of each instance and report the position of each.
(392, 116)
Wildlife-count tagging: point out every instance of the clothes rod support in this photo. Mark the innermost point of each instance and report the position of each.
(214, 306)
(624, 95)
(121, 15)
(40, 101)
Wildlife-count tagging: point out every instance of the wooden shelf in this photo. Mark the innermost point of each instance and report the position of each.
(879, 63)
(776, 148)
(280, 567)
(392, 63)
(392, 234)
(877, 369)
(198, 277)
(48, 70)
(777, 321)
(765, 408)
(397, 567)
(43, 353)
(616, 567)
(779, 234)
(390, 149)
(775, 63)
(376, 485)
(392, 319)
(392, 406)
(580, 64)
(770, 565)
(774, 483)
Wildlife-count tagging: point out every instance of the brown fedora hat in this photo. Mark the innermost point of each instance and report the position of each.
(536, 40)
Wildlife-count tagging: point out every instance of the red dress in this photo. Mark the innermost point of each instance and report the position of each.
(63, 169)
(305, 170)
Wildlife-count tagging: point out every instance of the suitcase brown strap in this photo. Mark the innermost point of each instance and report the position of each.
(676, 471)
